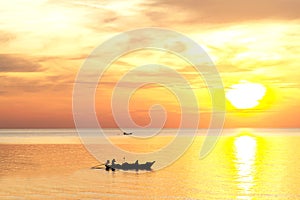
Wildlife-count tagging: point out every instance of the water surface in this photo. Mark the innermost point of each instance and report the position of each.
(246, 164)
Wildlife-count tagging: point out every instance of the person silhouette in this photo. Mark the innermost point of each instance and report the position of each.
(136, 165)
(115, 166)
(113, 162)
(107, 167)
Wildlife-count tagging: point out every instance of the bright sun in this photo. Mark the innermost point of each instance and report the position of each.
(245, 94)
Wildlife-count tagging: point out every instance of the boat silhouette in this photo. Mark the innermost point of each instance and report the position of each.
(124, 133)
(126, 166)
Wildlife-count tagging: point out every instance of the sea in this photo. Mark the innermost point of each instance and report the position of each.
(39, 164)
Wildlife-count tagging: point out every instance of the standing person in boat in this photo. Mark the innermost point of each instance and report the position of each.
(136, 165)
(107, 165)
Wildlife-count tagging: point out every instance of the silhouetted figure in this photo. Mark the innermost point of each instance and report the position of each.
(136, 165)
(107, 167)
(114, 165)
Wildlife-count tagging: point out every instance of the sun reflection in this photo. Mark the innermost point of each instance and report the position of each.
(245, 152)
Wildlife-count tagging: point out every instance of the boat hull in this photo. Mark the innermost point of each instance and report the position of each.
(128, 166)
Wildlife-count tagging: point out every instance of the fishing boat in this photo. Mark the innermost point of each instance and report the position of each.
(124, 133)
(126, 166)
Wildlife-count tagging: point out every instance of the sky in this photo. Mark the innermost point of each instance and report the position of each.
(45, 43)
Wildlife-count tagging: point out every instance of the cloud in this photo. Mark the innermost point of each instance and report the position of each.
(3, 92)
(229, 11)
(6, 37)
(17, 63)
(16, 84)
(252, 40)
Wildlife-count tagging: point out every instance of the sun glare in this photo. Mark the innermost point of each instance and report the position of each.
(245, 95)
(245, 152)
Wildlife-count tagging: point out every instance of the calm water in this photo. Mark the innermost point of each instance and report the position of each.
(246, 164)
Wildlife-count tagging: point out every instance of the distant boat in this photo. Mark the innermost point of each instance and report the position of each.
(124, 133)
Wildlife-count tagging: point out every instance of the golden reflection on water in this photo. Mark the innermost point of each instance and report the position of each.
(245, 164)
(245, 153)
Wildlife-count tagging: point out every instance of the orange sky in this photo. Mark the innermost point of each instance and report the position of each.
(44, 43)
